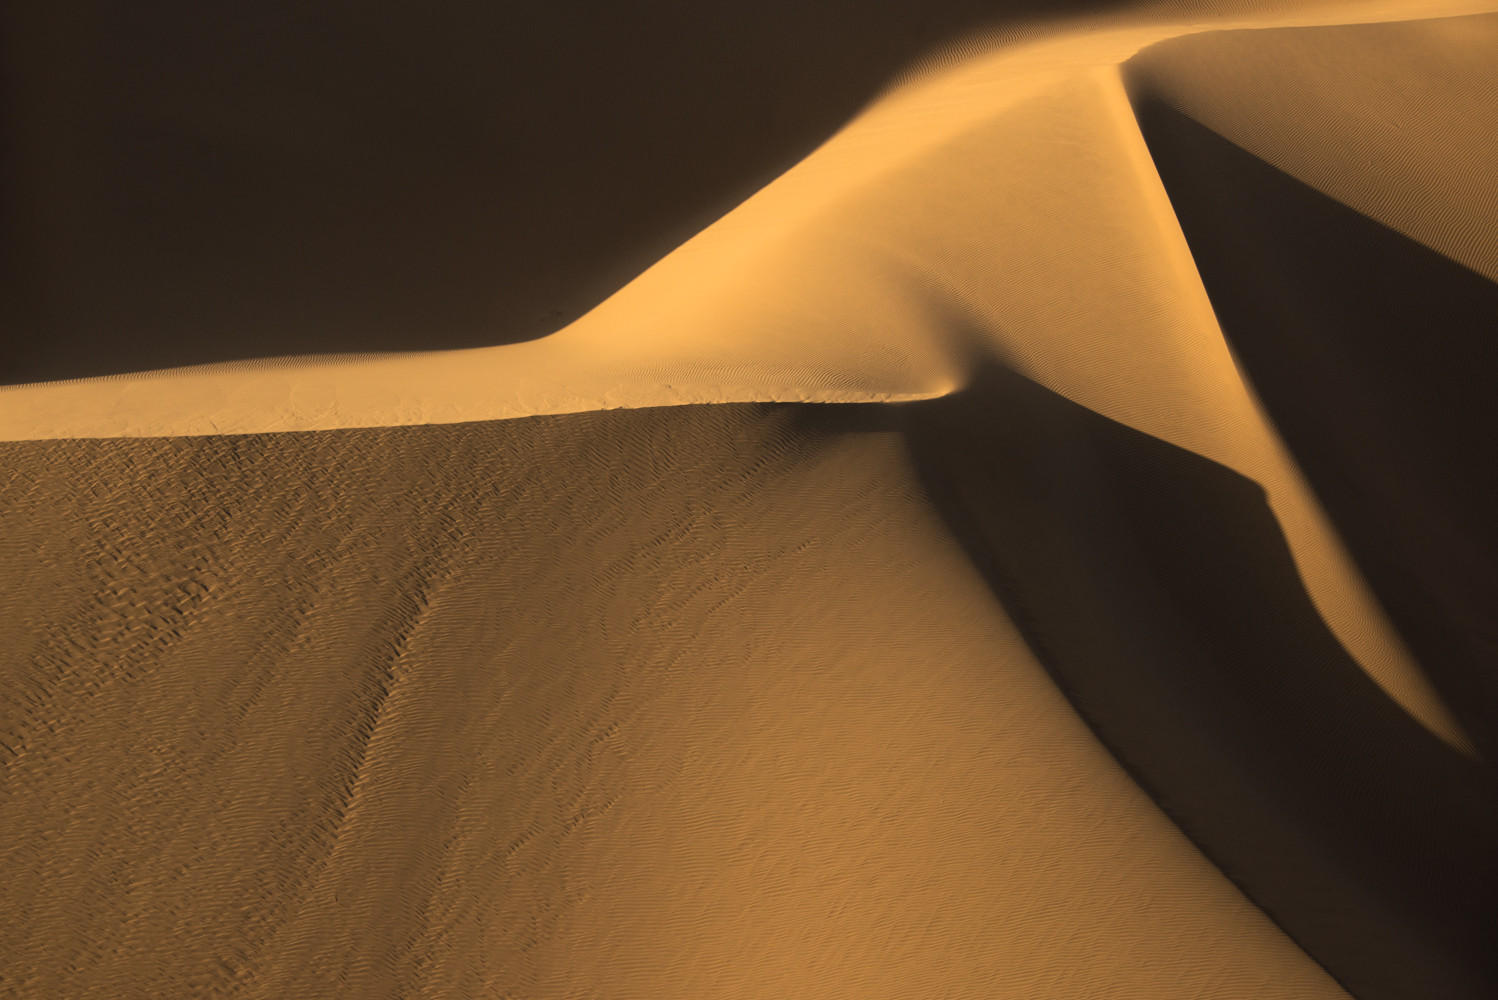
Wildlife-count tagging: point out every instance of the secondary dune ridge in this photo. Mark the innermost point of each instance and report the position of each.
(765, 698)
(739, 312)
(187, 183)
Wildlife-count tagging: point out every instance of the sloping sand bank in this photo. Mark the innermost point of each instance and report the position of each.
(701, 701)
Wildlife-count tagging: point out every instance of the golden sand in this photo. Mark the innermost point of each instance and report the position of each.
(419, 674)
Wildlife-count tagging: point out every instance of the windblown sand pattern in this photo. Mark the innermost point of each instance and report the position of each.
(771, 503)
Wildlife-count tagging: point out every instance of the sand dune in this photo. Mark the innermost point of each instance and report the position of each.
(1369, 297)
(691, 702)
(1128, 565)
(191, 183)
(739, 312)
(1122, 632)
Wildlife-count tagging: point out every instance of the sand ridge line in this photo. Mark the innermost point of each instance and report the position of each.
(658, 340)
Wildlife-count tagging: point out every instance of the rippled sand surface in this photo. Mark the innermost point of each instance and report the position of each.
(760, 503)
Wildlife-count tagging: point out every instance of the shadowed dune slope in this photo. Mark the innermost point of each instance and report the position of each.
(688, 702)
(1375, 357)
(1157, 588)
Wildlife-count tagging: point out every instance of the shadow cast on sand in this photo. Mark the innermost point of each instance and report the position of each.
(1376, 358)
(186, 183)
(1156, 587)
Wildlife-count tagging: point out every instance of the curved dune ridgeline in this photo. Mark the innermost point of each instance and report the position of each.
(200, 183)
(708, 500)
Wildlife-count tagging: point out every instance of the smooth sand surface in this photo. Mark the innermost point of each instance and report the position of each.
(190, 183)
(792, 295)
(1125, 631)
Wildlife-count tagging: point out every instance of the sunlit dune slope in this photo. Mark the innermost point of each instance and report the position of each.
(1337, 188)
(690, 702)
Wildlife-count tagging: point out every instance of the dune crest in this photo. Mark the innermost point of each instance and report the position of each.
(792, 296)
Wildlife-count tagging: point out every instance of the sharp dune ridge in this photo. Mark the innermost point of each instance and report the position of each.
(1121, 628)
(642, 346)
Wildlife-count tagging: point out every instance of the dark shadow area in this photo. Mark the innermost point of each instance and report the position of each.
(1157, 588)
(1377, 359)
(190, 182)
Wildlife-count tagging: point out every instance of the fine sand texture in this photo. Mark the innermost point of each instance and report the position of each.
(686, 702)
(699, 500)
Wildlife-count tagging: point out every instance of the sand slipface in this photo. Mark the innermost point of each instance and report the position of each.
(1120, 631)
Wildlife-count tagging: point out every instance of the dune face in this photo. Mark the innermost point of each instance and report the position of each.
(1366, 325)
(724, 501)
(683, 702)
(1126, 562)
